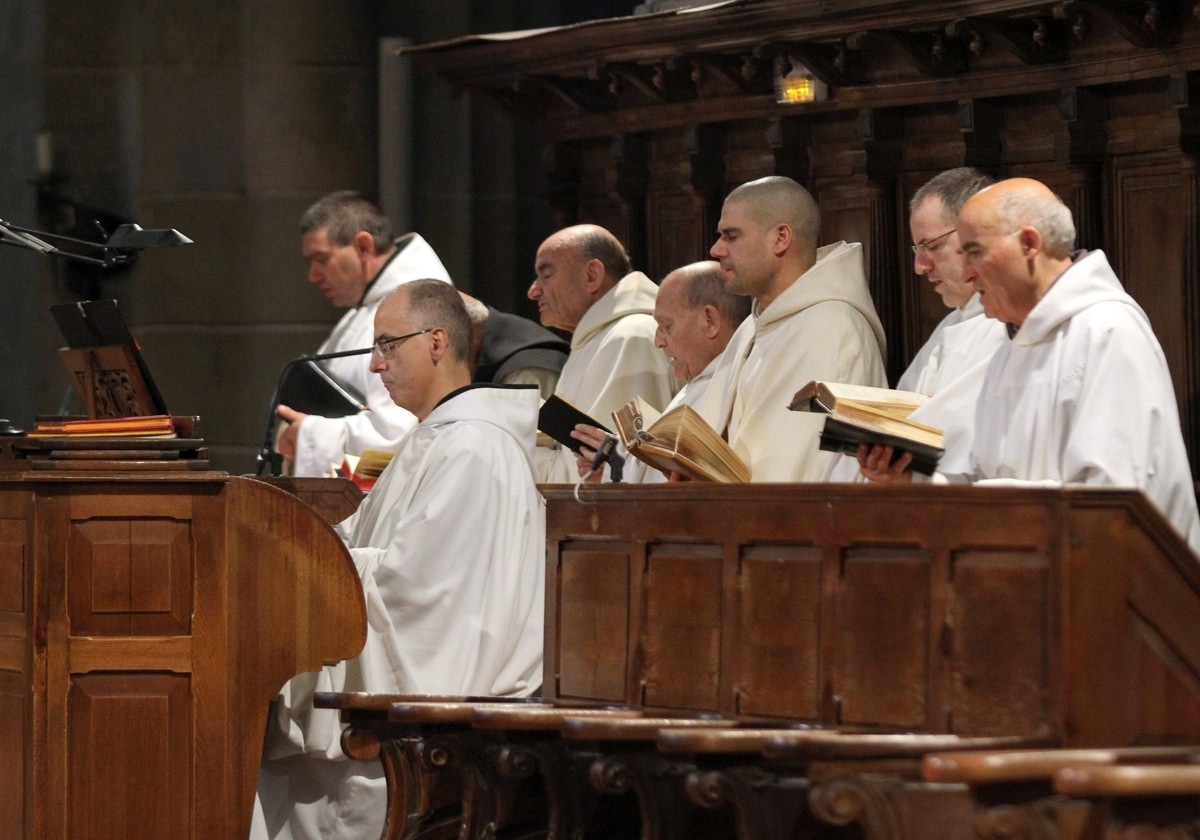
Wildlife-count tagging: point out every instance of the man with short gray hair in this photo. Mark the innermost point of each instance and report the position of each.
(949, 368)
(355, 261)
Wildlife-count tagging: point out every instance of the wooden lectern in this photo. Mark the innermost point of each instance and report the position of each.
(146, 622)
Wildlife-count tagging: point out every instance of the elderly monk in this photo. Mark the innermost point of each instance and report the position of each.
(1080, 393)
(584, 284)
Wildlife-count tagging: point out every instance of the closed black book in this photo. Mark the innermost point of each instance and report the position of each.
(558, 418)
(309, 389)
(838, 436)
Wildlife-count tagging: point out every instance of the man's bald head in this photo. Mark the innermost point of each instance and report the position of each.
(1016, 237)
(776, 199)
(696, 316)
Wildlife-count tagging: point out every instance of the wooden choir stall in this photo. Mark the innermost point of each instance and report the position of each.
(806, 661)
(149, 612)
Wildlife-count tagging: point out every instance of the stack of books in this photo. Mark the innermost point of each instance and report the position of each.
(154, 425)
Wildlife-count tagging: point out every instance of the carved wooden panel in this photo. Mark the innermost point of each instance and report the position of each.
(883, 618)
(612, 190)
(778, 651)
(748, 152)
(681, 628)
(999, 689)
(1153, 216)
(684, 188)
(14, 775)
(104, 759)
(130, 577)
(593, 622)
(14, 561)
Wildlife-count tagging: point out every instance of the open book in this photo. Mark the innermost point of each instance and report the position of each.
(678, 441)
(364, 470)
(861, 414)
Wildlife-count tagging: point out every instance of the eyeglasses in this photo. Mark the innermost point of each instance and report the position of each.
(926, 245)
(385, 348)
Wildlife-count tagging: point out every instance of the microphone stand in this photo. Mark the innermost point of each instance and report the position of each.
(607, 453)
(267, 456)
(117, 249)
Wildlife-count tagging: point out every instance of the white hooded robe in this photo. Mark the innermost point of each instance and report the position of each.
(824, 326)
(950, 368)
(613, 359)
(450, 546)
(1081, 394)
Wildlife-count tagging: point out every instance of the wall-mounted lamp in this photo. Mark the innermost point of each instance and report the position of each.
(798, 85)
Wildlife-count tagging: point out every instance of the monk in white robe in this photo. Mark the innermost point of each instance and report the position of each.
(1081, 392)
(813, 318)
(695, 316)
(450, 545)
(949, 368)
(354, 260)
(584, 284)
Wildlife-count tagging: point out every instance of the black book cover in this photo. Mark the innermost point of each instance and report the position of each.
(558, 418)
(309, 389)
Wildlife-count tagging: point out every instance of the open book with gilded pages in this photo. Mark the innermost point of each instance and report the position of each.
(862, 414)
(678, 441)
(364, 470)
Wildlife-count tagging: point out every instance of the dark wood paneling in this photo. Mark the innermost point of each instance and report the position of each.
(129, 754)
(781, 611)
(681, 632)
(15, 771)
(965, 610)
(883, 620)
(593, 623)
(999, 659)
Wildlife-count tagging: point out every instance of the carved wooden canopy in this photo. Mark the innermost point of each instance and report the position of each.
(718, 62)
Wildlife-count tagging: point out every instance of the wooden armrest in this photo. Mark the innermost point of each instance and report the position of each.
(631, 729)
(819, 743)
(362, 701)
(997, 767)
(714, 741)
(541, 719)
(1129, 780)
(452, 711)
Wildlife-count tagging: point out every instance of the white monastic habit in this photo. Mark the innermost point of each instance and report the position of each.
(324, 441)
(613, 359)
(950, 369)
(450, 546)
(1081, 394)
(824, 326)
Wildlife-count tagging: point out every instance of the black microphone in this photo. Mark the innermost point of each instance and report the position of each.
(267, 456)
(607, 453)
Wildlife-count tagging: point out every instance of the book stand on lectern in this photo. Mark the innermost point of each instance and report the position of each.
(105, 362)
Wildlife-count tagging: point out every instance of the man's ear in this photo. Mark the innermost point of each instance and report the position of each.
(785, 239)
(364, 244)
(1030, 240)
(439, 344)
(711, 323)
(593, 276)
